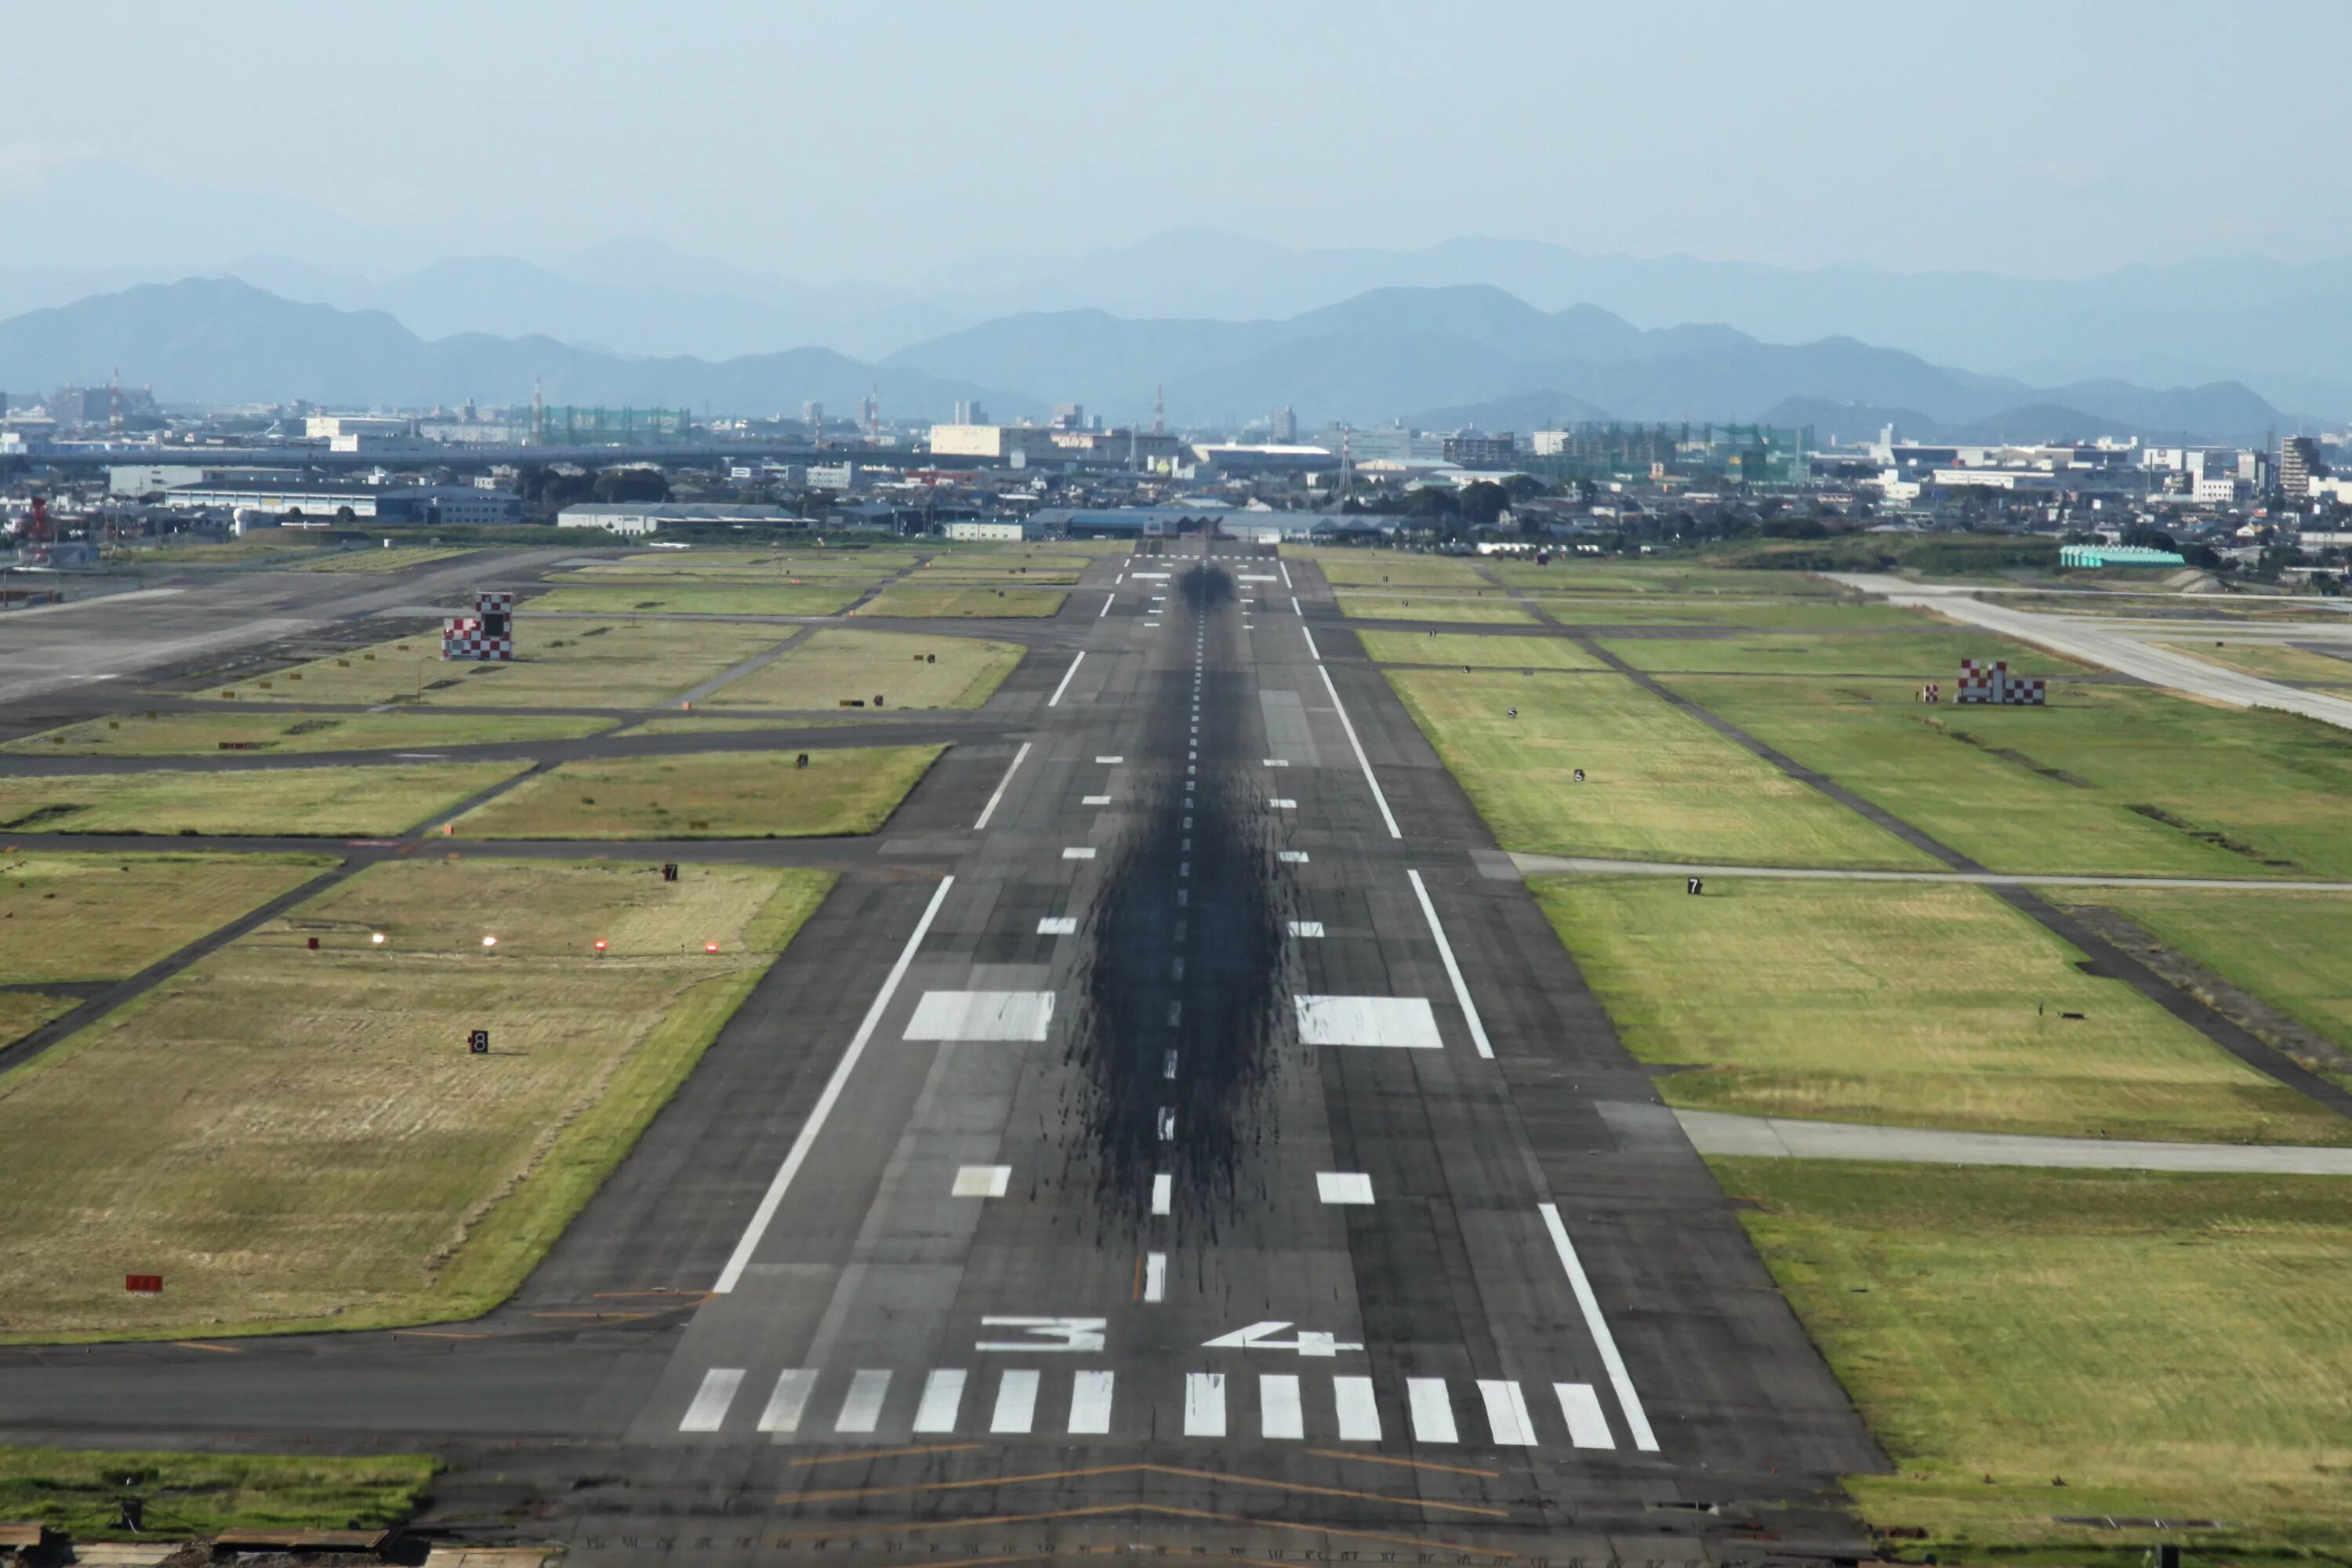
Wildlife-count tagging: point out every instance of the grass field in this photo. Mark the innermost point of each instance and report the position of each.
(1462, 605)
(1567, 575)
(1659, 785)
(2273, 661)
(2168, 1346)
(297, 1139)
(2287, 949)
(1458, 648)
(708, 795)
(333, 802)
(906, 669)
(201, 734)
(694, 599)
(1903, 1005)
(22, 1012)
(2222, 776)
(266, 545)
(102, 916)
(1910, 655)
(986, 604)
(399, 558)
(193, 1495)
(1364, 568)
(1753, 615)
(759, 565)
(559, 664)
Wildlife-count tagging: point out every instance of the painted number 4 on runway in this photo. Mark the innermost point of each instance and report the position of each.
(1261, 1337)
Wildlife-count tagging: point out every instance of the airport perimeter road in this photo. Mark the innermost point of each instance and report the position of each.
(1172, 1142)
(2121, 643)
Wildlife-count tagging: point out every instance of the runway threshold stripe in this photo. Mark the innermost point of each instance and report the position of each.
(766, 1213)
(1017, 1402)
(1279, 1411)
(1358, 746)
(1359, 1413)
(861, 1410)
(1506, 1414)
(1090, 1395)
(1205, 1405)
(708, 1408)
(789, 1398)
(1433, 1410)
(1453, 970)
(1588, 1426)
(1055, 701)
(942, 1398)
(1636, 1421)
(990, 810)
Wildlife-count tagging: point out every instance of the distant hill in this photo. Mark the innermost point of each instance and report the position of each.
(220, 341)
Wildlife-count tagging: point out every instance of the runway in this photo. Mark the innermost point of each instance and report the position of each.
(1167, 1135)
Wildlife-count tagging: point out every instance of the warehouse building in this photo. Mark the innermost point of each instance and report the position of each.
(635, 519)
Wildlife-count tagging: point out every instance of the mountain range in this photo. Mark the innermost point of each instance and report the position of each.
(1435, 357)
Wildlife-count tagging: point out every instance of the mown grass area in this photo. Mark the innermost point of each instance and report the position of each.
(1934, 555)
(1910, 655)
(203, 734)
(399, 558)
(194, 1495)
(1459, 648)
(1370, 569)
(694, 599)
(1659, 785)
(558, 664)
(1753, 615)
(1489, 607)
(334, 802)
(2166, 1346)
(2106, 779)
(1903, 1005)
(2287, 949)
(707, 795)
(1575, 575)
(761, 565)
(298, 1139)
(72, 917)
(906, 670)
(22, 1012)
(984, 604)
(2272, 661)
(267, 545)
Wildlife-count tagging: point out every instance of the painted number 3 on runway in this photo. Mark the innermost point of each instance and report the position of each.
(1050, 1334)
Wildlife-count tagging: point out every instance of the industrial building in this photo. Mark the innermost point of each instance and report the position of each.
(635, 518)
(326, 500)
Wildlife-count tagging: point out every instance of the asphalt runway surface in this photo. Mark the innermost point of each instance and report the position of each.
(1174, 1132)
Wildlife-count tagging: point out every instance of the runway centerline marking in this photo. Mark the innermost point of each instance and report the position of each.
(774, 1198)
(990, 810)
(1453, 970)
(1055, 701)
(1636, 1421)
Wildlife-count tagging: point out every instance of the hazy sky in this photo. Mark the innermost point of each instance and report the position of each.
(888, 140)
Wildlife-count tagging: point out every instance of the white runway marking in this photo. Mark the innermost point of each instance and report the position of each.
(1343, 1186)
(1433, 1412)
(1506, 1413)
(1093, 799)
(942, 1399)
(861, 1410)
(1400, 1022)
(1286, 575)
(1359, 1413)
(712, 1400)
(1283, 802)
(1291, 856)
(1155, 1275)
(1017, 1402)
(1453, 970)
(1205, 1403)
(1297, 611)
(1058, 925)
(1636, 1421)
(1090, 1394)
(990, 810)
(1279, 1413)
(1362, 761)
(1110, 761)
(985, 1182)
(1167, 1124)
(1249, 579)
(1588, 1426)
(1149, 576)
(1055, 701)
(1277, 761)
(1106, 609)
(826, 1101)
(1078, 852)
(1311, 648)
(1306, 928)
(982, 1015)
(1164, 1192)
(787, 1400)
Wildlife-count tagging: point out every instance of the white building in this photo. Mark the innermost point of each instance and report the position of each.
(632, 519)
(1004, 532)
(1003, 441)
